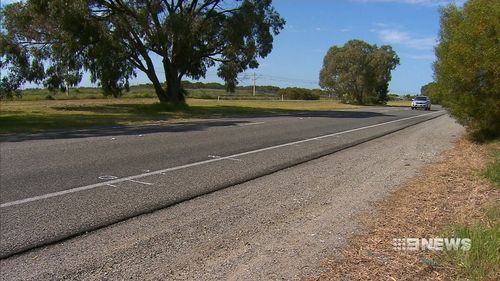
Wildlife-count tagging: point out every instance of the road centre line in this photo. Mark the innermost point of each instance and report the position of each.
(141, 182)
(217, 157)
(250, 124)
(234, 156)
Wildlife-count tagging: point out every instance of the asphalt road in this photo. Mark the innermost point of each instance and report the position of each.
(58, 185)
(283, 226)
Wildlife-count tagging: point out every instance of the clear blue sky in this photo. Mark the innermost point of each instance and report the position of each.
(313, 26)
(410, 26)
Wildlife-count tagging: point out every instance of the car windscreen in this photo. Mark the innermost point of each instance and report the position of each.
(421, 98)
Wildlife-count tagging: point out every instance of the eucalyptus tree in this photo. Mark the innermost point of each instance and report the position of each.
(359, 72)
(113, 39)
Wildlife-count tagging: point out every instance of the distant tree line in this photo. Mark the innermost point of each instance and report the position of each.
(431, 90)
(219, 86)
(290, 93)
(202, 85)
(294, 93)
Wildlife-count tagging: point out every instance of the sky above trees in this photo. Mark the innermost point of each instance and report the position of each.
(410, 26)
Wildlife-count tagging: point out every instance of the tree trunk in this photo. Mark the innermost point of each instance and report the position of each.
(175, 93)
(160, 92)
(173, 89)
(358, 94)
(67, 88)
(359, 97)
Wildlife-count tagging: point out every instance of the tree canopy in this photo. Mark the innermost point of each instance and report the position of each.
(359, 72)
(430, 90)
(468, 64)
(54, 41)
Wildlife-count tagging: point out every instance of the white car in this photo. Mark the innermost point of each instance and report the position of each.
(421, 102)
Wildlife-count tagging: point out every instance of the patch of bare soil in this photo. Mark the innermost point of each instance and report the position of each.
(443, 193)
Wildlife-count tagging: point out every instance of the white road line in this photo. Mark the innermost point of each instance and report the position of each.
(250, 124)
(107, 177)
(160, 172)
(141, 182)
(217, 157)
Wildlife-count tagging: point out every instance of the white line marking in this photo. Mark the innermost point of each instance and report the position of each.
(112, 185)
(107, 177)
(141, 182)
(250, 124)
(92, 186)
(228, 158)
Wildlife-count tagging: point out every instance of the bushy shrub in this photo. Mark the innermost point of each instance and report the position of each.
(467, 66)
(298, 94)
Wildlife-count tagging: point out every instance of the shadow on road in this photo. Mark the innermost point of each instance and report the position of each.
(163, 127)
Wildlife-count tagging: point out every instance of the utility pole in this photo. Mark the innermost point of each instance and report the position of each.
(254, 79)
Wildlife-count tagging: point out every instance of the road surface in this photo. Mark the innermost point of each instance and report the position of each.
(55, 186)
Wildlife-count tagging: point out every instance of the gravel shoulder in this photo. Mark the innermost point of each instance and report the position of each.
(454, 195)
(281, 226)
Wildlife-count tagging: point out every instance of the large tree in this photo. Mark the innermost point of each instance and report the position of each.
(431, 90)
(111, 39)
(467, 70)
(358, 72)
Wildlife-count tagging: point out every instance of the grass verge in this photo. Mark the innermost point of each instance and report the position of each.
(455, 200)
(40, 115)
(493, 171)
(483, 259)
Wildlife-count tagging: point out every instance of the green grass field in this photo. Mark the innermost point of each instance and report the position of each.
(40, 115)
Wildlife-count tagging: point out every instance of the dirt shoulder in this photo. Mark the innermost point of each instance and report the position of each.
(450, 192)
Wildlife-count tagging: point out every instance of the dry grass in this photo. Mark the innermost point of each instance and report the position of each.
(51, 105)
(399, 103)
(293, 105)
(39, 115)
(454, 192)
